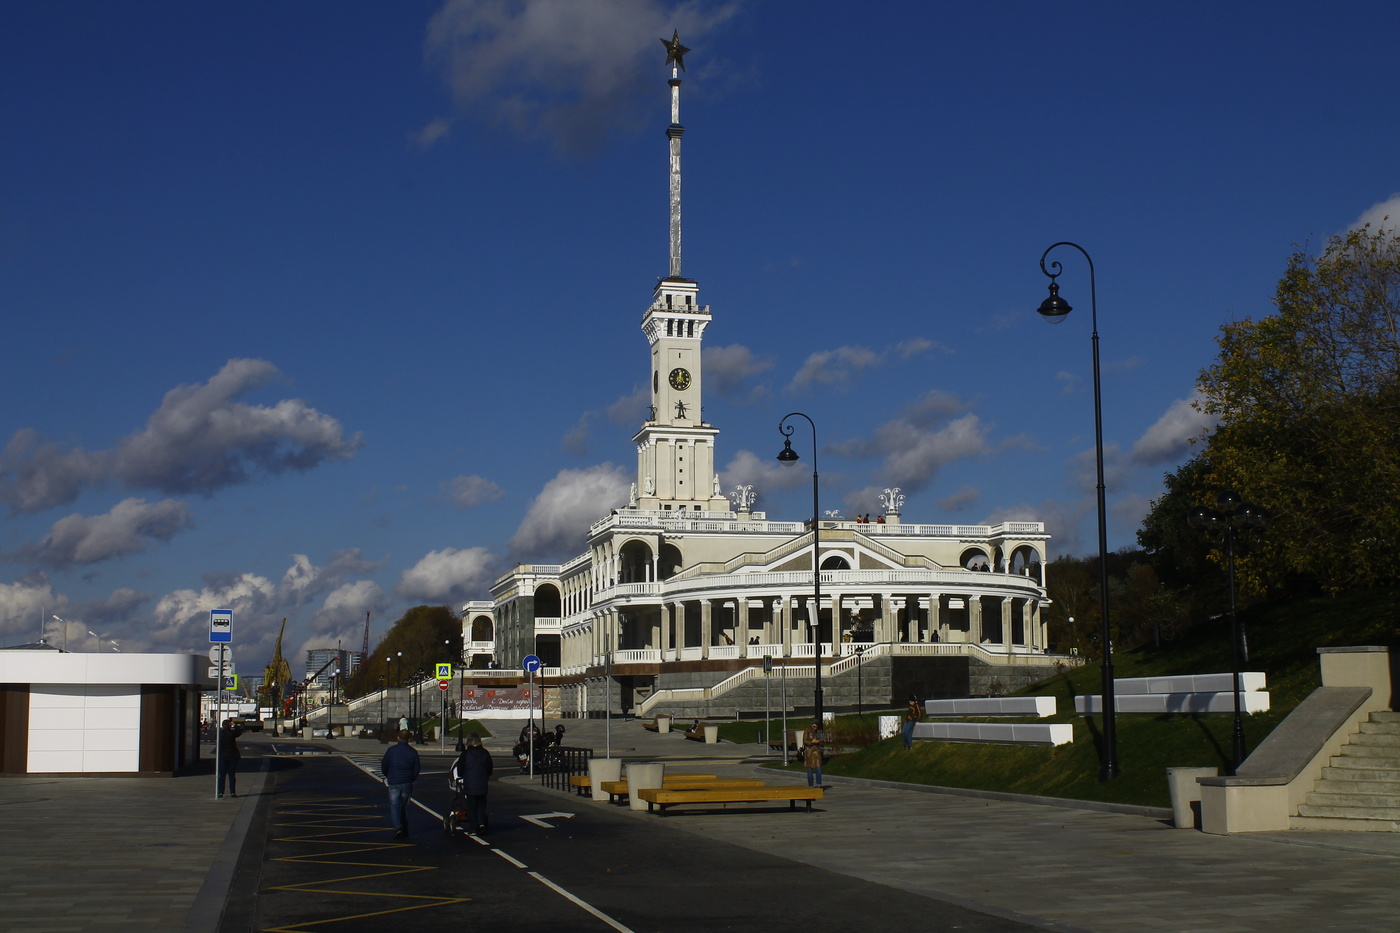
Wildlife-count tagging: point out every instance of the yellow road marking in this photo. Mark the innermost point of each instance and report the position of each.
(302, 817)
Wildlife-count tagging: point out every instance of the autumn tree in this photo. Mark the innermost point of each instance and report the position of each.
(425, 635)
(1308, 402)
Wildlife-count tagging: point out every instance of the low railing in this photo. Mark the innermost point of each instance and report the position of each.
(637, 656)
(556, 766)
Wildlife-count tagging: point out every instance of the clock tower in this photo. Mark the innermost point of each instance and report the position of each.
(675, 447)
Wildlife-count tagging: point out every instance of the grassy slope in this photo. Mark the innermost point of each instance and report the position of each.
(1283, 641)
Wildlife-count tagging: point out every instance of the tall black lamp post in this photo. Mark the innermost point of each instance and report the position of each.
(860, 687)
(788, 457)
(1054, 309)
(1231, 516)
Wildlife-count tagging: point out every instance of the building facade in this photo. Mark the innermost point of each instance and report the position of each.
(685, 595)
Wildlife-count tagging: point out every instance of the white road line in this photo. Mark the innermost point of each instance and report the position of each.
(584, 904)
(616, 925)
(509, 858)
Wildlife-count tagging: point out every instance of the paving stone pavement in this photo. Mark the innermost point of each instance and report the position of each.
(95, 855)
(109, 854)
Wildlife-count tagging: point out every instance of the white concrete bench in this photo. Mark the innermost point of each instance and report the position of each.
(1256, 701)
(997, 733)
(992, 706)
(1181, 693)
(1190, 683)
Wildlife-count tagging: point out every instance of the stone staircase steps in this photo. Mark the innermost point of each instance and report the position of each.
(1377, 739)
(1359, 790)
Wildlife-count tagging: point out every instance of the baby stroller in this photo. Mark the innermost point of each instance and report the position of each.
(455, 819)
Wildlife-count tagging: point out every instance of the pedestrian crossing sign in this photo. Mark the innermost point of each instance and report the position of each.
(444, 671)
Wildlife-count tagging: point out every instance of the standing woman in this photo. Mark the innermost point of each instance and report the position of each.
(475, 771)
(228, 758)
(812, 754)
(912, 717)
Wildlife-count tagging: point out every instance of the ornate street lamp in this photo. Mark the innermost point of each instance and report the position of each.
(1230, 516)
(788, 457)
(1054, 309)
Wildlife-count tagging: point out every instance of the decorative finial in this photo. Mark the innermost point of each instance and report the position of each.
(675, 52)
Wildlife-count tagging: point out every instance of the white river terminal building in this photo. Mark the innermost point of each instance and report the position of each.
(683, 593)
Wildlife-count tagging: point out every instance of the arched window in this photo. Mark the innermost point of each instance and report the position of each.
(836, 562)
(974, 558)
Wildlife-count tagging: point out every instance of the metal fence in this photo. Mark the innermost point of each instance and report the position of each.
(561, 763)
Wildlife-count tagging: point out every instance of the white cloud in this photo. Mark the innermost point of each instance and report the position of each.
(1169, 439)
(25, 607)
(342, 617)
(844, 366)
(840, 367)
(1383, 215)
(915, 456)
(763, 474)
(560, 70)
(467, 491)
(964, 497)
(86, 539)
(556, 523)
(199, 440)
(727, 369)
(448, 576)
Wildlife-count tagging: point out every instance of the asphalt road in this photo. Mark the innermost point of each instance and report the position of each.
(321, 856)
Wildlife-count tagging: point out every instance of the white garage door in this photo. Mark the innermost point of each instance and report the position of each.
(84, 728)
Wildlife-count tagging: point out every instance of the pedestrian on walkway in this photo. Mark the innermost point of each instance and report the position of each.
(812, 754)
(473, 769)
(228, 758)
(912, 716)
(400, 768)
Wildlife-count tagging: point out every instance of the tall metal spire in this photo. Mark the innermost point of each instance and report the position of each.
(675, 57)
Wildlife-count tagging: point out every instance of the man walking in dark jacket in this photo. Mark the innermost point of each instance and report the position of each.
(400, 768)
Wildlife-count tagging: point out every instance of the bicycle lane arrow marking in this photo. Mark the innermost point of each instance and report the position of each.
(539, 818)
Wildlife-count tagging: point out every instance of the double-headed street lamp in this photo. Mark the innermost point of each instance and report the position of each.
(1054, 309)
(1230, 516)
(788, 457)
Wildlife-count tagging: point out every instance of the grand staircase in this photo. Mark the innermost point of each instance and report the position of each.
(1360, 787)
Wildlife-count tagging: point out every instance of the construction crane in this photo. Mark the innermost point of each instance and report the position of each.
(276, 675)
(364, 645)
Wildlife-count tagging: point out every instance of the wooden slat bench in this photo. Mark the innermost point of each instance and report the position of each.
(619, 789)
(663, 797)
(583, 782)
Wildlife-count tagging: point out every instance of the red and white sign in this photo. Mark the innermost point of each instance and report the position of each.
(442, 684)
(502, 699)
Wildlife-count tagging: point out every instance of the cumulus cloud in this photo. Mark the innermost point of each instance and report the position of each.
(199, 440)
(844, 366)
(841, 367)
(342, 616)
(567, 72)
(448, 576)
(181, 618)
(86, 539)
(1170, 438)
(964, 497)
(467, 491)
(1383, 215)
(764, 474)
(728, 369)
(25, 606)
(556, 523)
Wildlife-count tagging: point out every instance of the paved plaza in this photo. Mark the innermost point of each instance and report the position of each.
(109, 854)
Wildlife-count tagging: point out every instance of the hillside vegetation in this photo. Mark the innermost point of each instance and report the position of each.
(1283, 638)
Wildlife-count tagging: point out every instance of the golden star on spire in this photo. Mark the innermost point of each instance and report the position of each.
(675, 52)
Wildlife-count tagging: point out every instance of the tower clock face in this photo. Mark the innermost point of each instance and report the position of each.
(680, 378)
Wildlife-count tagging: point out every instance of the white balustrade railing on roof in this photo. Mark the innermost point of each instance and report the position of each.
(950, 582)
